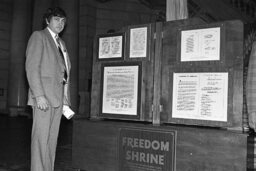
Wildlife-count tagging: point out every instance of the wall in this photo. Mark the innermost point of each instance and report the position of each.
(5, 30)
(116, 14)
(87, 27)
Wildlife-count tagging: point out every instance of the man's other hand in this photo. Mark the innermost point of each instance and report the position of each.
(42, 103)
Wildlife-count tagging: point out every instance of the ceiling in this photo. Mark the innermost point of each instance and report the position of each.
(213, 10)
(209, 10)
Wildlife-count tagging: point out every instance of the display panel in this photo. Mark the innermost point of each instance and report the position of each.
(200, 96)
(111, 46)
(121, 90)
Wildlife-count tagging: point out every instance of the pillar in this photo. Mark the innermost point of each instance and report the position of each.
(40, 7)
(176, 10)
(17, 87)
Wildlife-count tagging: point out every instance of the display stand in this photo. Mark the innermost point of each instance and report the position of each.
(95, 147)
(166, 97)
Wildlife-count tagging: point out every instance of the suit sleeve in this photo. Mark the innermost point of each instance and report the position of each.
(66, 99)
(33, 64)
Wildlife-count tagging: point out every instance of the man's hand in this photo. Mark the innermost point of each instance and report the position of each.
(42, 103)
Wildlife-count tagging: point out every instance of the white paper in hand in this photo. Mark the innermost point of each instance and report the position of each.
(67, 112)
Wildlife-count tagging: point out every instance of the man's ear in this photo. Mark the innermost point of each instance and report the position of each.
(46, 20)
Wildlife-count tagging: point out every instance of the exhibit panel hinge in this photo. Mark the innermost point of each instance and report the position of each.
(162, 35)
(160, 108)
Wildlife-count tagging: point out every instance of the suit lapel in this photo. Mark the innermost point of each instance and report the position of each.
(66, 53)
(55, 49)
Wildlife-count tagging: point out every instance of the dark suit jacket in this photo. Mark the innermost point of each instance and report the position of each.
(45, 70)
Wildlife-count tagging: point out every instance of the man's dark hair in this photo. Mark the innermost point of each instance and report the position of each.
(53, 12)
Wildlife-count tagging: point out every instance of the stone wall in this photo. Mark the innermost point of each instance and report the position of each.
(5, 30)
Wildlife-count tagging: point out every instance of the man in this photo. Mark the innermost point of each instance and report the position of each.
(47, 68)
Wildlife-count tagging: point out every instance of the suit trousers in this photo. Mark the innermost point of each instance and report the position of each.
(44, 137)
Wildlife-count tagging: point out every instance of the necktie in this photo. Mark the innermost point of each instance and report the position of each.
(61, 54)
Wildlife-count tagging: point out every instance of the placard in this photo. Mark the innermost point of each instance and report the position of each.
(200, 44)
(201, 96)
(147, 150)
(121, 89)
(111, 46)
(138, 42)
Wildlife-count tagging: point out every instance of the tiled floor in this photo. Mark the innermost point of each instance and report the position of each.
(15, 144)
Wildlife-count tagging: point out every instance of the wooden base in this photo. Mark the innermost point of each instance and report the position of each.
(95, 146)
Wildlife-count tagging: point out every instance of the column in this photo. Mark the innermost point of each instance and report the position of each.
(176, 10)
(17, 87)
(40, 7)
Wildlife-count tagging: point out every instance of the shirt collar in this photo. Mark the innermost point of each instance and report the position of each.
(52, 33)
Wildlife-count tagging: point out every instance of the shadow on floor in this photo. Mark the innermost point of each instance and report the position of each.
(15, 144)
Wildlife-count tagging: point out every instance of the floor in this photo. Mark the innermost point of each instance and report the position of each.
(15, 144)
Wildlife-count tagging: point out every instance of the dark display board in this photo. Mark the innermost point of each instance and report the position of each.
(131, 59)
(202, 74)
(190, 73)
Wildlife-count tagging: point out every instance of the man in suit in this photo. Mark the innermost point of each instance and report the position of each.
(47, 68)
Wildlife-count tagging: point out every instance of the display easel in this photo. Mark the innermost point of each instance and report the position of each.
(158, 65)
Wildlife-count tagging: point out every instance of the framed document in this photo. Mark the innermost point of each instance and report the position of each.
(200, 96)
(111, 46)
(200, 44)
(139, 42)
(121, 86)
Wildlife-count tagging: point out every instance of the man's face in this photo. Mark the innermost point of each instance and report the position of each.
(57, 24)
